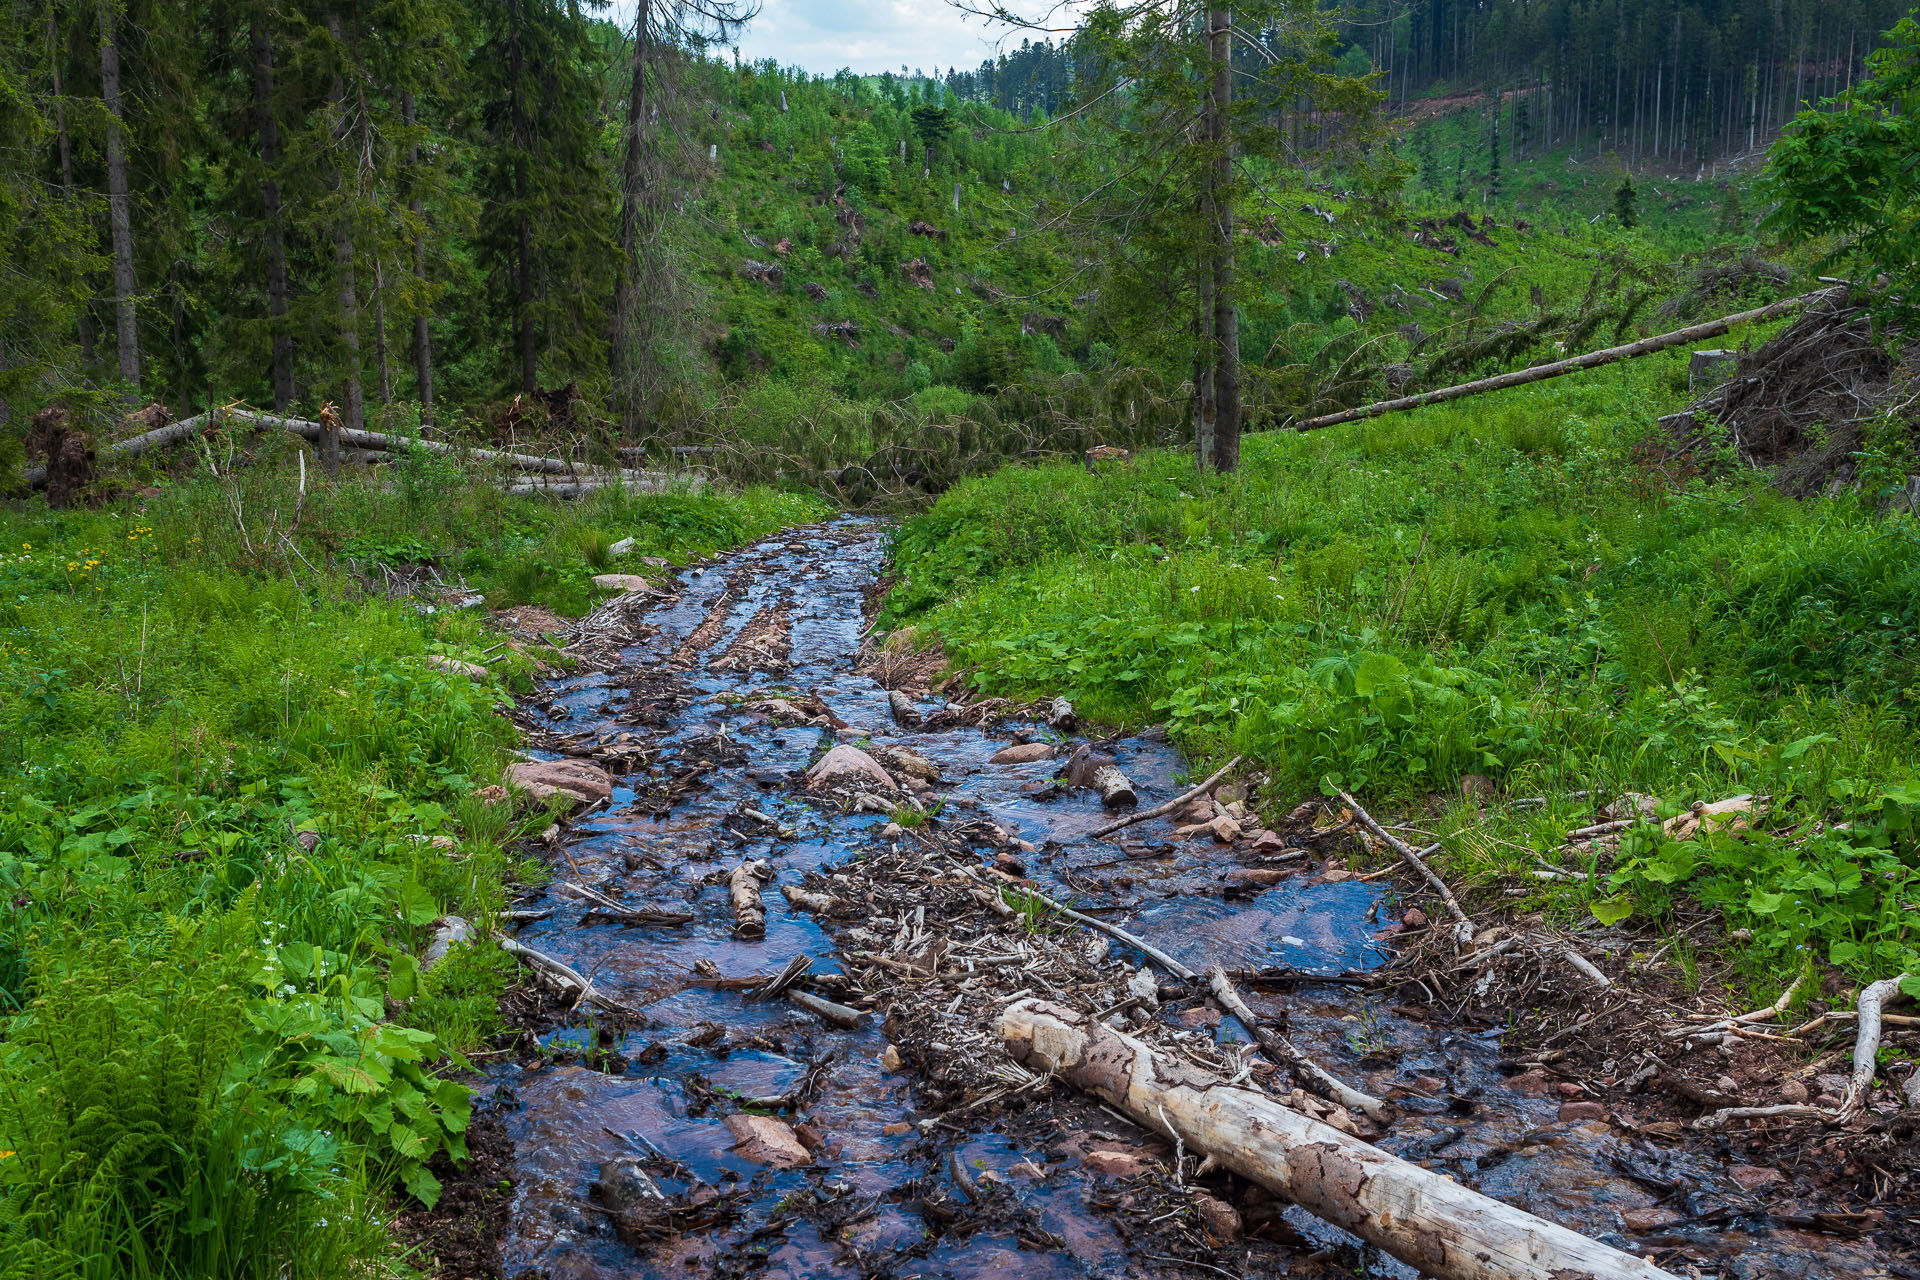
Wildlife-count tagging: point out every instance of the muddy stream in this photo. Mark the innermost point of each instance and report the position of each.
(785, 617)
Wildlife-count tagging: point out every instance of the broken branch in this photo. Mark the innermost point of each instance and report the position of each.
(1201, 790)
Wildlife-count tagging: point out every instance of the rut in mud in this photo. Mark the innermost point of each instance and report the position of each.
(710, 1132)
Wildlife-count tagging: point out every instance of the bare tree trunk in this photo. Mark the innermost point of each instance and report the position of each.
(1226, 322)
(276, 264)
(626, 287)
(380, 339)
(422, 339)
(66, 163)
(522, 142)
(353, 411)
(119, 202)
(1590, 360)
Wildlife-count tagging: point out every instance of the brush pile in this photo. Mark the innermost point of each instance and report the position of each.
(1799, 403)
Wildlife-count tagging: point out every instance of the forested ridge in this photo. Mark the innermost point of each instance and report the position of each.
(398, 208)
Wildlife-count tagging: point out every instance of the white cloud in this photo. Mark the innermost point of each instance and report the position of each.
(868, 36)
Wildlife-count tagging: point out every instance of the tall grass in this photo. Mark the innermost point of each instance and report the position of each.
(218, 1055)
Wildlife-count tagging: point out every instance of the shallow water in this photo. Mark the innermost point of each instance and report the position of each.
(566, 1119)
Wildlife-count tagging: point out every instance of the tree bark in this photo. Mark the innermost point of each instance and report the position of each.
(626, 286)
(1541, 372)
(1226, 322)
(523, 231)
(1426, 1220)
(65, 145)
(119, 202)
(422, 338)
(353, 410)
(275, 236)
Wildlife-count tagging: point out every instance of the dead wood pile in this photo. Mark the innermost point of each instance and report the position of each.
(1799, 402)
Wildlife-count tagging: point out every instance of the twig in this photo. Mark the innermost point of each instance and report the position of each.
(1284, 1052)
(563, 973)
(1773, 1010)
(1463, 926)
(1172, 804)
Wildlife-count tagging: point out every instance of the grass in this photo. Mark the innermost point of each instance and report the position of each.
(1495, 587)
(218, 1054)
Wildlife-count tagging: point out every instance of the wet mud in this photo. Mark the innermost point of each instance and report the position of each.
(640, 1144)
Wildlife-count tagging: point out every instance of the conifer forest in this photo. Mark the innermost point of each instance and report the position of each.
(1148, 638)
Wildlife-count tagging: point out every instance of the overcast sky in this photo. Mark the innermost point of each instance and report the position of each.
(870, 36)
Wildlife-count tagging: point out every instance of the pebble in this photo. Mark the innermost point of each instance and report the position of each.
(1414, 918)
(1573, 1111)
(1115, 1164)
(1023, 753)
(1221, 1219)
(895, 1129)
(1793, 1091)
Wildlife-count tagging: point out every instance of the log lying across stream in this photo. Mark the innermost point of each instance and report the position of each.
(1420, 1217)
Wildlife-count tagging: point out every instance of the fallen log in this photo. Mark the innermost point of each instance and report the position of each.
(1181, 799)
(173, 433)
(904, 712)
(1574, 364)
(743, 892)
(826, 1010)
(1426, 1220)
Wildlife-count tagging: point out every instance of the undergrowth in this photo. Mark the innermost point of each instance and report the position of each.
(1494, 587)
(235, 796)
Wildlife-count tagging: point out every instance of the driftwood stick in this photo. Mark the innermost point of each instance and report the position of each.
(1285, 1052)
(1427, 1221)
(1463, 930)
(1773, 1010)
(1866, 1043)
(826, 1010)
(1591, 360)
(1115, 932)
(1587, 968)
(1172, 804)
(564, 974)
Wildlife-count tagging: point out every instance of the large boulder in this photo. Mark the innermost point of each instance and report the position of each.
(846, 766)
(581, 782)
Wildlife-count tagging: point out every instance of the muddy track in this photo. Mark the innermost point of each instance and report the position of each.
(716, 1134)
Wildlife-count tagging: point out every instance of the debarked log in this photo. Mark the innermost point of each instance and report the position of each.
(1424, 1219)
(743, 892)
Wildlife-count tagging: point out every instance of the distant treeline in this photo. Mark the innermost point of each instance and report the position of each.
(1656, 80)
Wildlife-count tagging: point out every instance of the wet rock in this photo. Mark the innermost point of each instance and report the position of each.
(1221, 1219)
(1793, 1091)
(1196, 812)
(767, 1140)
(1568, 1089)
(1028, 1169)
(583, 783)
(895, 1129)
(1574, 1112)
(1255, 877)
(623, 1184)
(891, 1059)
(1268, 843)
(1117, 1164)
(623, 582)
(1335, 875)
(846, 766)
(810, 1138)
(1643, 1221)
(1196, 829)
(1753, 1177)
(1225, 829)
(1006, 862)
(1414, 918)
(1024, 753)
(455, 667)
(1196, 1018)
(908, 763)
(1529, 1084)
